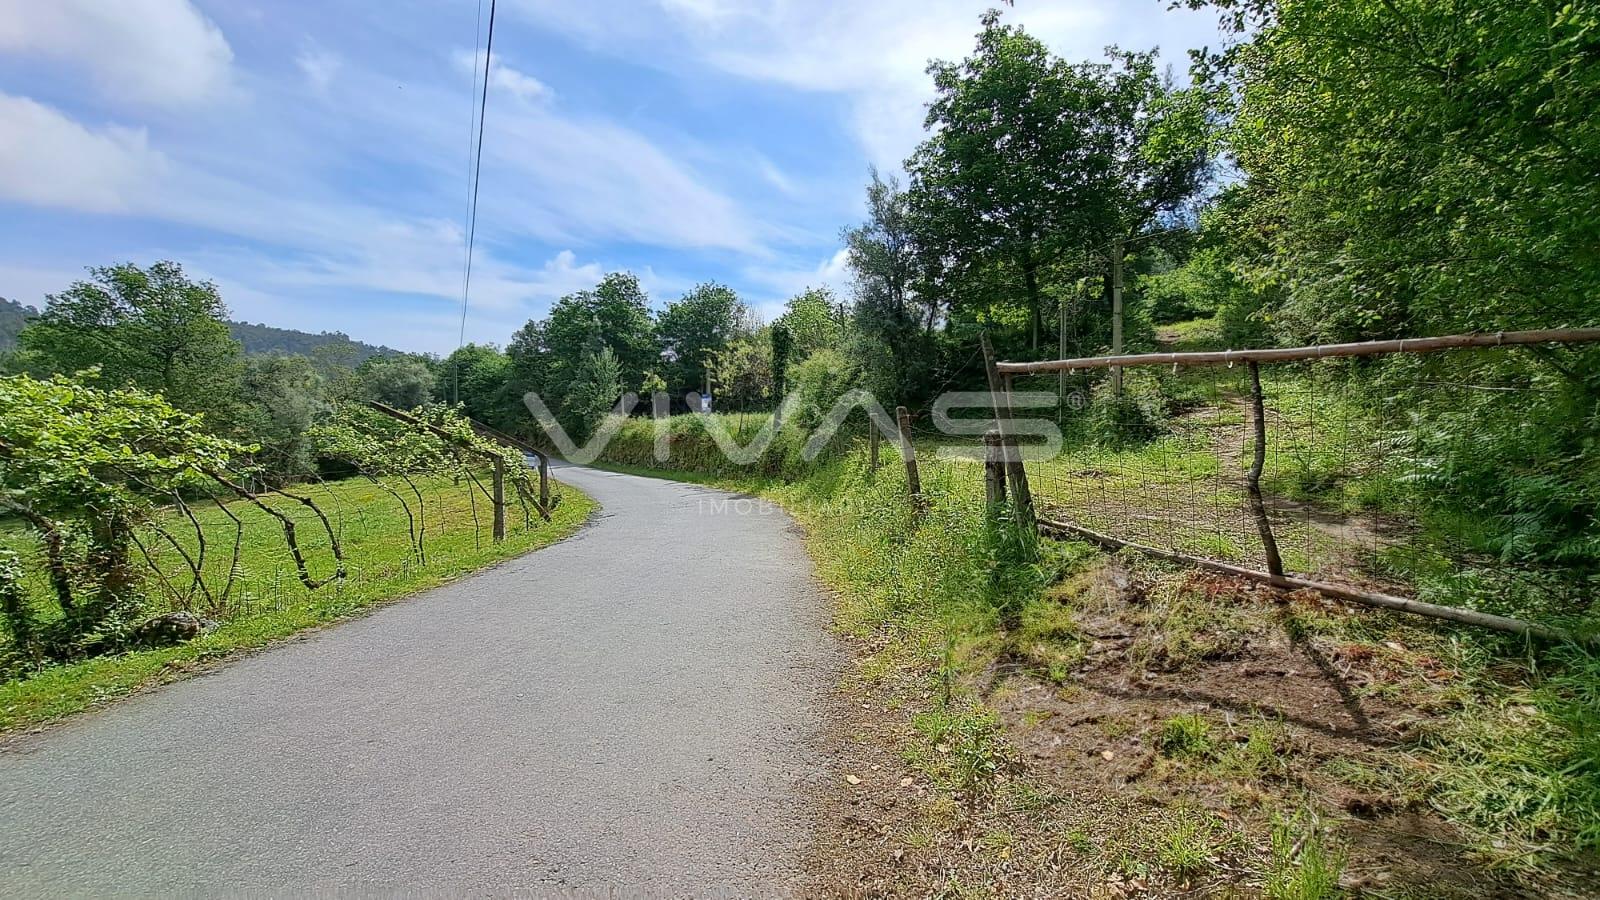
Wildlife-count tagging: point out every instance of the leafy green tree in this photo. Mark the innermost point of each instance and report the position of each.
(814, 320)
(477, 377)
(616, 314)
(1162, 140)
(693, 327)
(741, 373)
(886, 340)
(782, 341)
(404, 382)
(282, 400)
(153, 328)
(820, 380)
(1416, 166)
(591, 393)
(1015, 170)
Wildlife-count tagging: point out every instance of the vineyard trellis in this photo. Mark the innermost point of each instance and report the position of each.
(130, 523)
(1282, 465)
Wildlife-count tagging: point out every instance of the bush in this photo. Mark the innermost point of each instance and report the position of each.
(819, 380)
(1134, 419)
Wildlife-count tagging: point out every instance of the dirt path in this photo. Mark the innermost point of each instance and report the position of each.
(637, 709)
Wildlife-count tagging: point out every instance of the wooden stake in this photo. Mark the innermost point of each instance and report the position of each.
(1116, 315)
(1258, 506)
(499, 499)
(544, 485)
(1001, 394)
(873, 439)
(994, 469)
(909, 454)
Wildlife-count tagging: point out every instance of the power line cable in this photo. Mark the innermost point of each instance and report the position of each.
(472, 206)
(466, 224)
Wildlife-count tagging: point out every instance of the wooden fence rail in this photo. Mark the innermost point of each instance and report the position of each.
(1000, 443)
(1327, 351)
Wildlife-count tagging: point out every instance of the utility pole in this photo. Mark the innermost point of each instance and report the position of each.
(1116, 314)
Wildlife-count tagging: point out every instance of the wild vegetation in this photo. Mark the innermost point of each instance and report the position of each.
(1067, 713)
(1045, 716)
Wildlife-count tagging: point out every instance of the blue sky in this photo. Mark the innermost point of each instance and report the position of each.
(311, 156)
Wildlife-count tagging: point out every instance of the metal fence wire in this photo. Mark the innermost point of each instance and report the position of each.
(1373, 467)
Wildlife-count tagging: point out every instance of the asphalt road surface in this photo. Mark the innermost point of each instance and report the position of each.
(635, 710)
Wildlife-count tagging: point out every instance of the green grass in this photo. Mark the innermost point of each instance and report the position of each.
(269, 603)
(1303, 867)
(1515, 762)
(1187, 735)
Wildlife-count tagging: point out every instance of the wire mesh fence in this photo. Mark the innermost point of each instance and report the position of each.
(1379, 471)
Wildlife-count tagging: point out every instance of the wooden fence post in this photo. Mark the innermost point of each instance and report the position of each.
(909, 454)
(1258, 506)
(1001, 394)
(499, 498)
(544, 485)
(875, 437)
(994, 469)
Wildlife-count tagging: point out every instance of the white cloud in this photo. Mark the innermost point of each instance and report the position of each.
(832, 273)
(503, 77)
(162, 53)
(580, 178)
(319, 66)
(48, 159)
(873, 53)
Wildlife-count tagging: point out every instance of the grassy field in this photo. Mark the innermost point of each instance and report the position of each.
(1040, 716)
(267, 601)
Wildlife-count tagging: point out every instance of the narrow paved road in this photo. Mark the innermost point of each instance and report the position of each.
(636, 709)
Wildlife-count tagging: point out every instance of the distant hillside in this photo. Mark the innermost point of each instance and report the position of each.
(13, 316)
(260, 339)
(257, 339)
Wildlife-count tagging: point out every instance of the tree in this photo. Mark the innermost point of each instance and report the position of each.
(782, 342)
(814, 320)
(477, 377)
(693, 327)
(1015, 169)
(282, 400)
(616, 314)
(886, 340)
(741, 373)
(591, 393)
(1416, 166)
(153, 328)
(404, 382)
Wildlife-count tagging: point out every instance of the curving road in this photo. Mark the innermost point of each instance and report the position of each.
(638, 709)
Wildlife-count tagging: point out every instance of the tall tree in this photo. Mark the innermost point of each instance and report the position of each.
(404, 382)
(887, 343)
(282, 400)
(694, 327)
(616, 314)
(478, 376)
(1015, 169)
(153, 328)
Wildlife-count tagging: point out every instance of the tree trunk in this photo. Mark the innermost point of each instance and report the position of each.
(1030, 281)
